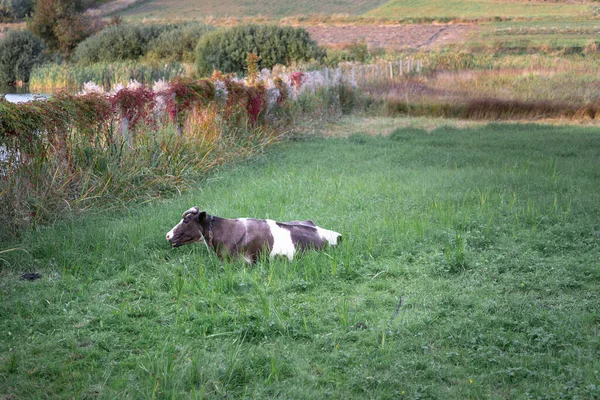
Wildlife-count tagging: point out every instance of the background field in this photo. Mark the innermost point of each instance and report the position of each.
(488, 234)
(474, 9)
(229, 8)
(395, 9)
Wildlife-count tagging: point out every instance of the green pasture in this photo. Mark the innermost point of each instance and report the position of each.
(186, 9)
(475, 9)
(469, 269)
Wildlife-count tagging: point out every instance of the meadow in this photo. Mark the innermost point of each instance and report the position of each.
(469, 269)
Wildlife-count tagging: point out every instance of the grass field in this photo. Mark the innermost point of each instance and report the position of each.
(166, 9)
(475, 9)
(489, 235)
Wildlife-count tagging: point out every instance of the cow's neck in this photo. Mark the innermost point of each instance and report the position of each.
(209, 225)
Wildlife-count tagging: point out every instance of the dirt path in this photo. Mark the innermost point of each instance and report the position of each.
(412, 36)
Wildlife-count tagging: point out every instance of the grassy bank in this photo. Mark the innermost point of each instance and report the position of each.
(488, 235)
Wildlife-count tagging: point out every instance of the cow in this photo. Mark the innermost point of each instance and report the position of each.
(249, 238)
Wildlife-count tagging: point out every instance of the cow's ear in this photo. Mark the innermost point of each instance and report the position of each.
(201, 216)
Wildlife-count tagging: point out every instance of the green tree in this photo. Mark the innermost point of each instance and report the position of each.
(19, 52)
(61, 24)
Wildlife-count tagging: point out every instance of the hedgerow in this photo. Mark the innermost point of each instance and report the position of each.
(73, 151)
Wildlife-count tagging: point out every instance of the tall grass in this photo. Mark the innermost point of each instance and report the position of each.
(468, 270)
(484, 86)
(159, 161)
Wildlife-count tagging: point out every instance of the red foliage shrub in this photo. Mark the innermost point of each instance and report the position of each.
(134, 104)
(189, 93)
(296, 79)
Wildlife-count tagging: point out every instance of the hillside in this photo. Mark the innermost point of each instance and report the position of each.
(169, 9)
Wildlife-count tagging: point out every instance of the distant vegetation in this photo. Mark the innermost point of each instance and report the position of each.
(62, 24)
(15, 10)
(165, 42)
(226, 50)
(52, 77)
(178, 44)
(19, 52)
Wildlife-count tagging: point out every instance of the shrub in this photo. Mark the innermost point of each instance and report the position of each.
(177, 44)
(227, 49)
(119, 43)
(355, 51)
(19, 52)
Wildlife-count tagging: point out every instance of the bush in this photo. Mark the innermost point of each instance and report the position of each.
(226, 50)
(19, 52)
(355, 51)
(119, 43)
(178, 44)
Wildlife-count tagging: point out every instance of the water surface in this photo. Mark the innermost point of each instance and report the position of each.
(20, 94)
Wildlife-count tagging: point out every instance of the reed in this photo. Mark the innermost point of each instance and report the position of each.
(54, 77)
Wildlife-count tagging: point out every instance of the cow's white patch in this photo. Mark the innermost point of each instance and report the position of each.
(282, 241)
(172, 231)
(331, 236)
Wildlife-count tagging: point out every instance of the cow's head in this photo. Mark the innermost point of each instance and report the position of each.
(189, 230)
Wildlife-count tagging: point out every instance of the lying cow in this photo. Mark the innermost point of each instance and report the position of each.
(248, 237)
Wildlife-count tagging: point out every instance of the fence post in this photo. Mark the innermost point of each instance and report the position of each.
(391, 71)
(418, 66)
(400, 66)
(125, 130)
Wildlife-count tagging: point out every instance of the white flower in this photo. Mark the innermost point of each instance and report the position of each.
(134, 85)
(161, 86)
(90, 87)
(264, 74)
(117, 88)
